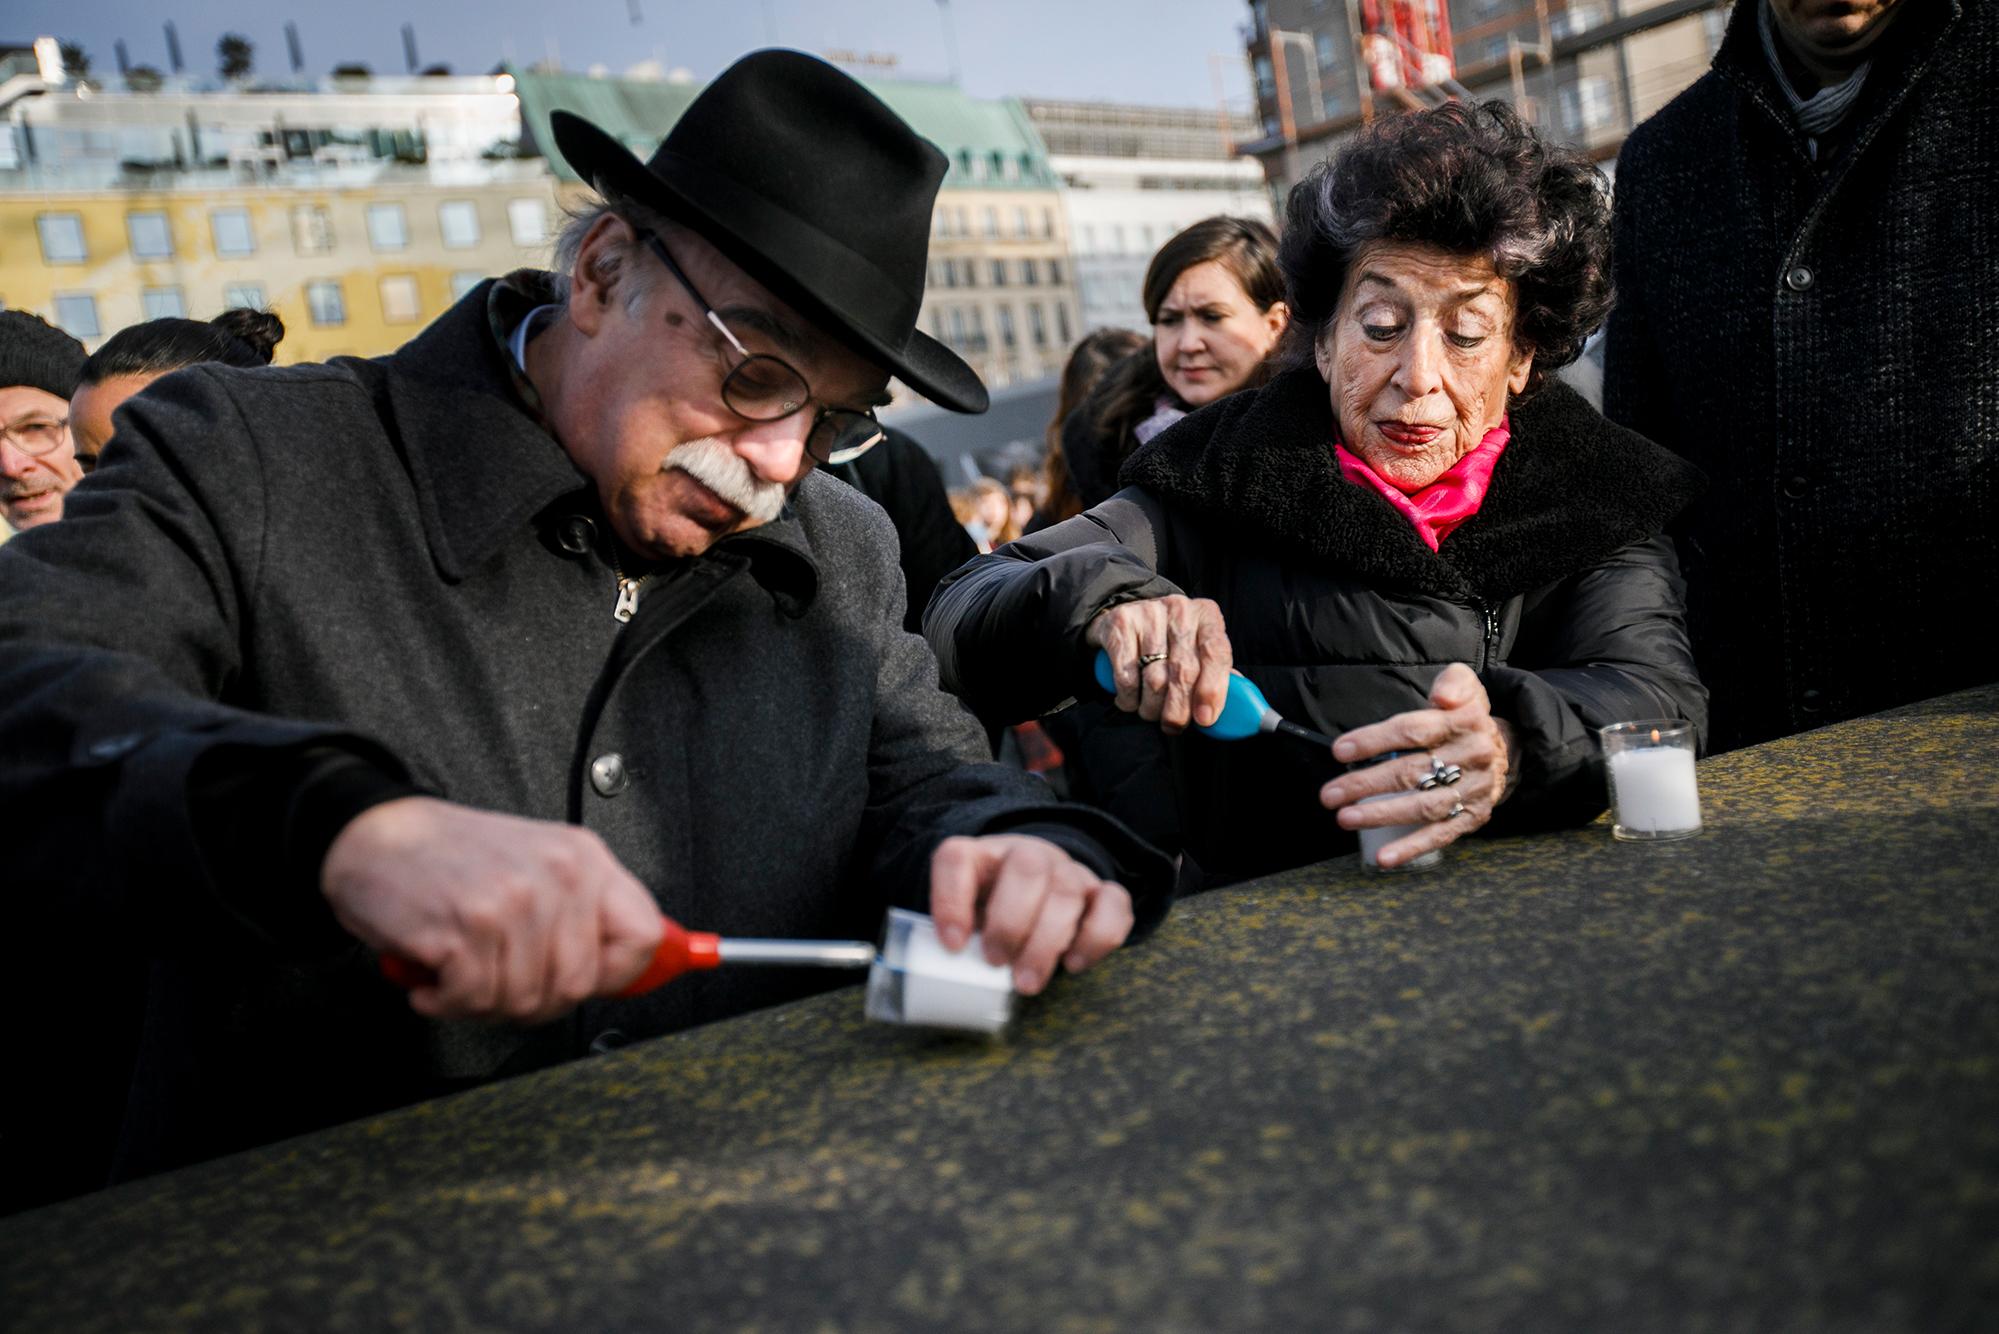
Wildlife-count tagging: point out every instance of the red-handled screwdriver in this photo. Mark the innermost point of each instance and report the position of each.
(683, 951)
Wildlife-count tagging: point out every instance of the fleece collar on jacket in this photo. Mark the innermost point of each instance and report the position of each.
(484, 466)
(1571, 489)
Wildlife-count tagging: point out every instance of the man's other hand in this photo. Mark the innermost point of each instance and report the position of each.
(1035, 905)
(519, 919)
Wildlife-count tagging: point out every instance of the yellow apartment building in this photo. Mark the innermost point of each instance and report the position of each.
(358, 211)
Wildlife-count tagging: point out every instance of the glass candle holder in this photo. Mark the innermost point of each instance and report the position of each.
(1373, 840)
(1653, 794)
(919, 983)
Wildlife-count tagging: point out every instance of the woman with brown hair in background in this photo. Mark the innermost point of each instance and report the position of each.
(1216, 301)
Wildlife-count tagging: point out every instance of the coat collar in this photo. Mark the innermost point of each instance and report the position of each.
(1905, 55)
(484, 465)
(1571, 489)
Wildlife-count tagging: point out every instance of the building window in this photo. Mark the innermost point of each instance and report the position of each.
(991, 220)
(163, 303)
(458, 219)
(950, 271)
(999, 273)
(1007, 336)
(957, 322)
(232, 232)
(400, 304)
(963, 219)
(1087, 234)
(388, 229)
(1037, 323)
(243, 296)
(971, 272)
(77, 316)
(312, 229)
(1575, 19)
(940, 223)
(1062, 324)
(1054, 273)
(1009, 166)
(1117, 238)
(527, 220)
(1020, 222)
(1587, 105)
(464, 281)
(150, 236)
(325, 304)
(62, 238)
(1029, 273)
(1048, 222)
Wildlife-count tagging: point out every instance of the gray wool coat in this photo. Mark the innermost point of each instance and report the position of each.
(394, 557)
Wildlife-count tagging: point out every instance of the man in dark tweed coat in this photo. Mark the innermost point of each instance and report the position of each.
(488, 652)
(1808, 308)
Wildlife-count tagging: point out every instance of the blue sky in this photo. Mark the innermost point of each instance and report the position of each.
(1157, 52)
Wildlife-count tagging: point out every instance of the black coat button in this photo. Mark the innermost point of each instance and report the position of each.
(608, 774)
(577, 535)
(1811, 701)
(1796, 487)
(1799, 279)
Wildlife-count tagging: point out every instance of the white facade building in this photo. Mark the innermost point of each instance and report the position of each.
(1132, 176)
(1121, 210)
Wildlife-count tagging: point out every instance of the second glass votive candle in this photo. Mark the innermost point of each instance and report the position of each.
(1653, 793)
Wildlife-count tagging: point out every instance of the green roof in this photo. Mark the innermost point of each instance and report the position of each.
(992, 145)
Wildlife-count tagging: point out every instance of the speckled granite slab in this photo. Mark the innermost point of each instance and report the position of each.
(1747, 1082)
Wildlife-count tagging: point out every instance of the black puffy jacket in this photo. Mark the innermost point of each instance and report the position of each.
(1561, 593)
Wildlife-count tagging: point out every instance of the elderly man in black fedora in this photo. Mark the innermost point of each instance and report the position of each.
(488, 652)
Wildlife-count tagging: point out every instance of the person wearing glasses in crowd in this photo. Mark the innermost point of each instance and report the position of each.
(488, 652)
(39, 365)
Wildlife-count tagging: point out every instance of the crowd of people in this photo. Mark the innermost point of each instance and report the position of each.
(572, 613)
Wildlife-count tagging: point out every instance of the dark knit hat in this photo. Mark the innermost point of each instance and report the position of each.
(35, 353)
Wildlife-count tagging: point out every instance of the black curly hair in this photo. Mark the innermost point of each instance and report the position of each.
(1471, 180)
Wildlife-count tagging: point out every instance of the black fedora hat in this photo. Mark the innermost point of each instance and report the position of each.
(815, 189)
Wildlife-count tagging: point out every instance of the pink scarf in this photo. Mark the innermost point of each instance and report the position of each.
(1438, 508)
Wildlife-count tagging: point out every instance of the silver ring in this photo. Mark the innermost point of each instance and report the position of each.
(1440, 775)
(1147, 659)
(1457, 809)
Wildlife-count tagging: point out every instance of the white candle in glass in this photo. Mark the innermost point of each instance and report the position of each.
(1655, 790)
(915, 980)
(1373, 840)
(953, 989)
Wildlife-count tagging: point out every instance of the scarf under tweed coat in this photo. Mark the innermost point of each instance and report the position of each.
(1848, 416)
(1560, 592)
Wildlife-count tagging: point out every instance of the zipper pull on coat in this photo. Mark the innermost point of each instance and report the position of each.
(628, 598)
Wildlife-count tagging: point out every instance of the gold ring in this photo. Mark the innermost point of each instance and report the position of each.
(1147, 659)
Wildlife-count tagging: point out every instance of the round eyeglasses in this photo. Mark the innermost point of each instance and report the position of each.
(37, 436)
(764, 388)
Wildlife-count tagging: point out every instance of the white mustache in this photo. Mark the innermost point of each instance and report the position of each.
(722, 470)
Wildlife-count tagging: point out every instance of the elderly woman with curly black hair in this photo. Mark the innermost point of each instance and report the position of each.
(1415, 539)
